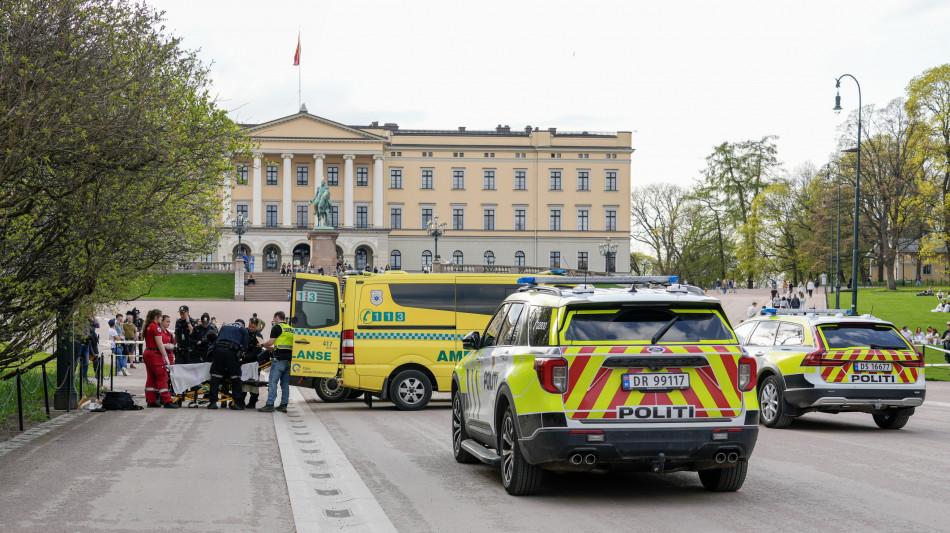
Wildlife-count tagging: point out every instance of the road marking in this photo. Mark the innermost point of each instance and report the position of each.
(938, 404)
(326, 493)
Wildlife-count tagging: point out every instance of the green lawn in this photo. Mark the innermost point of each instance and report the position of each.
(902, 307)
(187, 286)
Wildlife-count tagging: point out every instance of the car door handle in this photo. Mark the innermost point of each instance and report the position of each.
(301, 342)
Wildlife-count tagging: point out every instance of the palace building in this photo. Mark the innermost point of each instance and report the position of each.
(529, 197)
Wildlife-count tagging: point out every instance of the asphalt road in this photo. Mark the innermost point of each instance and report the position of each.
(824, 473)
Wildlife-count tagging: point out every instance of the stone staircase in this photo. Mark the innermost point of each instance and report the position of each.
(269, 287)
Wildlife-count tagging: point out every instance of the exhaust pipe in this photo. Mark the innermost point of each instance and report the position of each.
(590, 458)
(733, 457)
(576, 459)
(721, 457)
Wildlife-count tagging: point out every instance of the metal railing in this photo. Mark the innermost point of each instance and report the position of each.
(204, 266)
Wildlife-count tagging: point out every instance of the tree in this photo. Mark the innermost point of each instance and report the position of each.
(656, 211)
(735, 175)
(113, 160)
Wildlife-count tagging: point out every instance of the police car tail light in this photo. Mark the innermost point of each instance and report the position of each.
(552, 374)
(914, 363)
(347, 356)
(746, 373)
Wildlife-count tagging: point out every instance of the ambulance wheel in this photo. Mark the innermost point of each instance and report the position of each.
(771, 404)
(519, 477)
(888, 420)
(410, 390)
(330, 390)
(725, 479)
(458, 431)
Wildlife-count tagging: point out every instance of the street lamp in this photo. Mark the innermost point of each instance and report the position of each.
(240, 226)
(857, 191)
(836, 242)
(608, 250)
(435, 229)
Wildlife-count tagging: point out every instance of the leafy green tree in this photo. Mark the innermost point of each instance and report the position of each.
(113, 157)
(735, 174)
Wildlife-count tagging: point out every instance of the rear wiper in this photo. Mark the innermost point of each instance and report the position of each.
(883, 347)
(662, 331)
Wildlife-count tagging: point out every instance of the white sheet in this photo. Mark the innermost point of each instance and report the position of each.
(184, 377)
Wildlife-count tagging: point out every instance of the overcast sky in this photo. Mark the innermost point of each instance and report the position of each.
(683, 76)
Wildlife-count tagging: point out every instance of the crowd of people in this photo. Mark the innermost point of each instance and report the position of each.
(153, 343)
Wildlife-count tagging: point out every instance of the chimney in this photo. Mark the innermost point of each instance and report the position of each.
(553, 131)
(375, 124)
(502, 129)
(527, 129)
(461, 129)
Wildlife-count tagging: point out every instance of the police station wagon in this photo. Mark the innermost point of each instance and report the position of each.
(569, 377)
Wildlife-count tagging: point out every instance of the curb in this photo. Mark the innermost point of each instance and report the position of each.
(38, 431)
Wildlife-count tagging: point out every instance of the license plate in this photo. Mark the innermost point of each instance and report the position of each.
(869, 366)
(656, 381)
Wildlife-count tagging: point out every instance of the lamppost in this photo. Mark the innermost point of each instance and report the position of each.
(240, 226)
(857, 191)
(608, 250)
(435, 229)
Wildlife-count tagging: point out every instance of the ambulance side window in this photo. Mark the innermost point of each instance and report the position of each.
(494, 327)
(508, 329)
(539, 326)
(481, 298)
(316, 305)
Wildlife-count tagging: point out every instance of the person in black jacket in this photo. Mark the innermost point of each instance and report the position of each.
(226, 352)
(200, 341)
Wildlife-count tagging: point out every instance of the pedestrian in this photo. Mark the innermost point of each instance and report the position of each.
(156, 361)
(810, 287)
(255, 354)
(919, 337)
(282, 342)
(200, 341)
(131, 338)
(167, 338)
(320, 270)
(946, 343)
(184, 327)
(87, 345)
(139, 330)
(226, 352)
(116, 345)
(795, 302)
(752, 310)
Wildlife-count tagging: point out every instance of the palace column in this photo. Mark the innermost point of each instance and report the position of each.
(256, 204)
(378, 191)
(286, 201)
(348, 208)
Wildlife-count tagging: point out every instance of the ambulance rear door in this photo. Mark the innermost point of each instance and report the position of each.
(317, 321)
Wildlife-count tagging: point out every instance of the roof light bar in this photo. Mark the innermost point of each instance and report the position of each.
(773, 311)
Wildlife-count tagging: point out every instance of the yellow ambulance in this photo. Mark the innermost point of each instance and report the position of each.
(395, 335)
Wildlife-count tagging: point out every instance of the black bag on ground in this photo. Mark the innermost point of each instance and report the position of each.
(119, 401)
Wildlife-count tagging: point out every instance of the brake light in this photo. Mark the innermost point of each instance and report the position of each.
(814, 358)
(918, 363)
(347, 356)
(746, 373)
(552, 374)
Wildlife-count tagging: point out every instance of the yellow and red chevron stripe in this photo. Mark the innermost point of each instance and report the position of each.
(595, 392)
(839, 374)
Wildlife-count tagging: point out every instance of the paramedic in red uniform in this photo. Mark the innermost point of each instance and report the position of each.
(156, 357)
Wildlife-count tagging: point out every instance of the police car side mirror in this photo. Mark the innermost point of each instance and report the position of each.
(471, 341)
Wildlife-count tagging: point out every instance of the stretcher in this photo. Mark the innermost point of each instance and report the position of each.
(194, 381)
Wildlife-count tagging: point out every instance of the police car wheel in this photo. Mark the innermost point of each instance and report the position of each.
(771, 404)
(410, 390)
(329, 390)
(518, 476)
(458, 431)
(725, 479)
(889, 420)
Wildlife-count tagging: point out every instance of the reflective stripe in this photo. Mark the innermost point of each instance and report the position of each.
(150, 389)
(286, 339)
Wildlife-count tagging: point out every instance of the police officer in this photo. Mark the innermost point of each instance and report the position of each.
(184, 327)
(202, 335)
(226, 354)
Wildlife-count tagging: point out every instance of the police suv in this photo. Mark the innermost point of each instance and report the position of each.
(825, 360)
(646, 377)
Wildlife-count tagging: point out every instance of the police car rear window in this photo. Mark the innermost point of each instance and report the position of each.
(645, 325)
(873, 336)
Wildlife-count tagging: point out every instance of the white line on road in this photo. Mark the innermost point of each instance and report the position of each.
(938, 404)
(326, 493)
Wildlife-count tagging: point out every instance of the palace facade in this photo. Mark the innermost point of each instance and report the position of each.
(528, 197)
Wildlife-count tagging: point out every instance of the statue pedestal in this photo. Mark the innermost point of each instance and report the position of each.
(323, 249)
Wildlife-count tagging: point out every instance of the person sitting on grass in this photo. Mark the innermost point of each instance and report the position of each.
(940, 308)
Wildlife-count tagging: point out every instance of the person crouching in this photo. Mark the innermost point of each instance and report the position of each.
(226, 355)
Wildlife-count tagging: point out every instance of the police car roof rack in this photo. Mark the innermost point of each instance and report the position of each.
(830, 312)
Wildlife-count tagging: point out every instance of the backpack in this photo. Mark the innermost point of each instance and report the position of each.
(119, 401)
